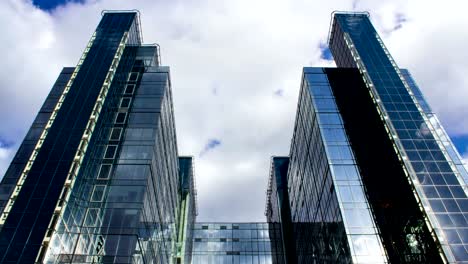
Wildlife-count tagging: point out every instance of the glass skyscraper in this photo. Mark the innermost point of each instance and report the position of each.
(372, 176)
(98, 178)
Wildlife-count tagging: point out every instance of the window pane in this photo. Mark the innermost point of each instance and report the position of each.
(98, 193)
(329, 118)
(110, 152)
(358, 217)
(136, 152)
(126, 194)
(115, 134)
(130, 88)
(131, 172)
(154, 77)
(104, 171)
(133, 76)
(317, 78)
(125, 103)
(120, 119)
(91, 217)
(146, 103)
(139, 134)
(324, 104)
(143, 118)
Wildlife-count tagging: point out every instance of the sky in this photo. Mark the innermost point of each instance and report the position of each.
(235, 72)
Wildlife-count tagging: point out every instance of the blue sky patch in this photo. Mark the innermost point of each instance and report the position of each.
(6, 143)
(461, 143)
(49, 5)
(325, 52)
(211, 144)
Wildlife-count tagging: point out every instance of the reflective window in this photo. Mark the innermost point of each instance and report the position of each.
(125, 102)
(316, 78)
(325, 104)
(120, 118)
(136, 152)
(125, 194)
(104, 171)
(339, 152)
(143, 119)
(154, 77)
(321, 90)
(329, 118)
(131, 172)
(147, 102)
(358, 217)
(110, 151)
(98, 193)
(345, 172)
(140, 134)
(133, 77)
(92, 216)
(115, 134)
(129, 89)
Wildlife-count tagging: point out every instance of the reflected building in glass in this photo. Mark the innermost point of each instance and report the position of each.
(98, 178)
(372, 176)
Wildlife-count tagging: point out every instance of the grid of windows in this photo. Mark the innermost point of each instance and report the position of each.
(437, 180)
(437, 129)
(32, 217)
(314, 205)
(360, 228)
(122, 202)
(325, 187)
(129, 178)
(236, 243)
(22, 156)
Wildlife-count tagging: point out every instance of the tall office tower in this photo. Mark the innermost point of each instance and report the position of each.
(332, 220)
(232, 243)
(372, 175)
(429, 166)
(97, 176)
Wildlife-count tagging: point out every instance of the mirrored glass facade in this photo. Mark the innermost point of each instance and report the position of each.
(428, 160)
(98, 178)
(372, 176)
(18, 164)
(331, 217)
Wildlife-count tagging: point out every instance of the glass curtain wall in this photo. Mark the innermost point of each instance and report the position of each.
(437, 178)
(231, 243)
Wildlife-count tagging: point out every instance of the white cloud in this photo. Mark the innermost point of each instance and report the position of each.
(245, 51)
(6, 155)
